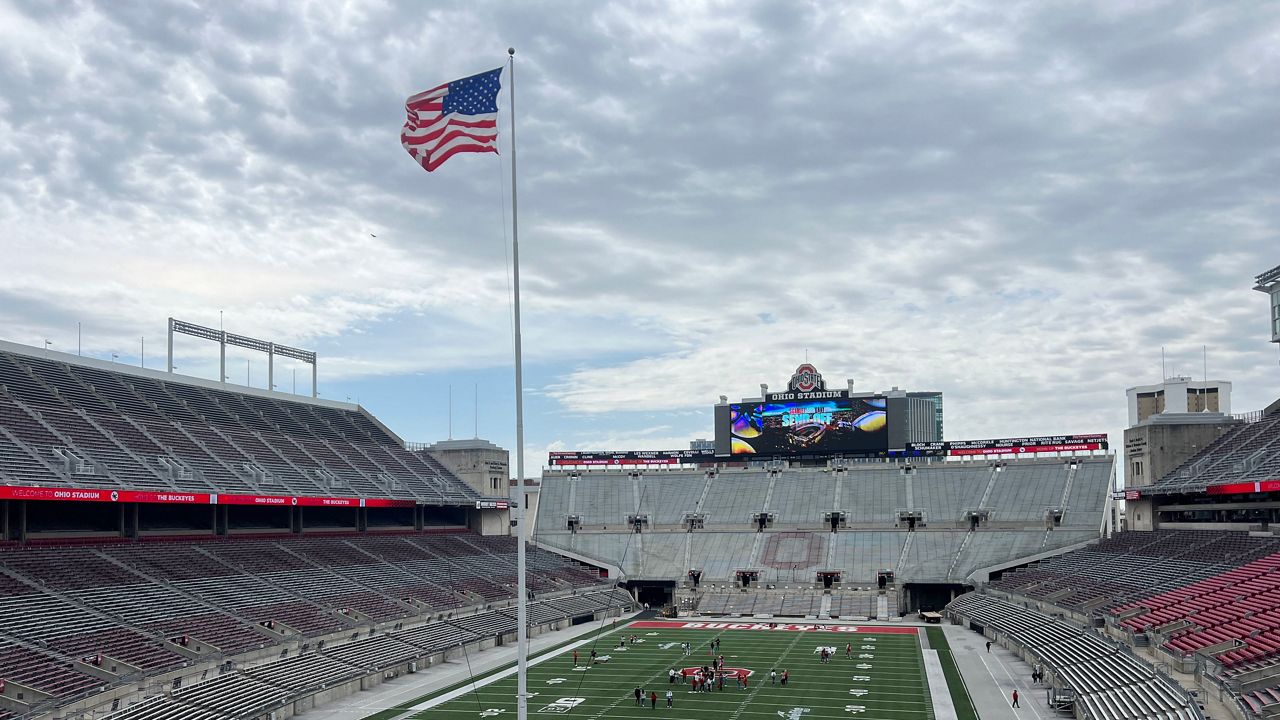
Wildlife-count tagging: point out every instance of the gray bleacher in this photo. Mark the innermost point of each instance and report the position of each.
(137, 429)
(1024, 492)
(553, 504)
(605, 500)
(943, 492)
(802, 497)
(735, 495)
(862, 553)
(1110, 683)
(1089, 490)
(666, 497)
(872, 493)
(259, 689)
(1246, 452)
(664, 553)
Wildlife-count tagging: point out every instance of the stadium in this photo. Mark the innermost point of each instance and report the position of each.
(179, 548)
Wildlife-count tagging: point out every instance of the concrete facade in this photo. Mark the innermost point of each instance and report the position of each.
(1158, 445)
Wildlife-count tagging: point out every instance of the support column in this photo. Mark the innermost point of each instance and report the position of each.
(169, 364)
(222, 357)
(271, 366)
(314, 387)
(22, 522)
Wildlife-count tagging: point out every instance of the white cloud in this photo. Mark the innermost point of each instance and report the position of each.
(1015, 203)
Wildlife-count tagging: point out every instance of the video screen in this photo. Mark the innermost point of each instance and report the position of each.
(845, 426)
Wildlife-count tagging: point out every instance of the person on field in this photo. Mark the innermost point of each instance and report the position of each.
(988, 646)
(639, 694)
(575, 658)
(653, 700)
(1015, 698)
(670, 698)
(786, 675)
(773, 677)
(848, 650)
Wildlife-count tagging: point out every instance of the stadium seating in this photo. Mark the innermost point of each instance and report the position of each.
(1131, 566)
(259, 689)
(1108, 681)
(1016, 496)
(80, 426)
(1246, 452)
(134, 604)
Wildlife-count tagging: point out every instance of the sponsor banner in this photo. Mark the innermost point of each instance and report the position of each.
(1132, 495)
(631, 457)
(1008, 446)
(11, 492)
(775, 627)
(492, 504)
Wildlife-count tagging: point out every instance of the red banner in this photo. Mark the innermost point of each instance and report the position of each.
(1020, 449)
(1243, 487)
(15, 492)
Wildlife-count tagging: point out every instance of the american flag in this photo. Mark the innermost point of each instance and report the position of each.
(459, 116)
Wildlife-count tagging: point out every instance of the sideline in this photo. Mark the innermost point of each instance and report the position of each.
(494, 677)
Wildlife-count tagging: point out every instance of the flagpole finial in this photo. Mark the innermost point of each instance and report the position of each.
(511, 51)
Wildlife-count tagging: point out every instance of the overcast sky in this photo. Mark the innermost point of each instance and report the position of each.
(1016, 203)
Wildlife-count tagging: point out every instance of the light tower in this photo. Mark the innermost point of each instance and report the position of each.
(1269, 283)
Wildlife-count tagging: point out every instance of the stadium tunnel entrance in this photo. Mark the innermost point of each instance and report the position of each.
(924, 597)
(656, 594)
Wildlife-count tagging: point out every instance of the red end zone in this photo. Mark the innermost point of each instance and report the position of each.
(776, 627)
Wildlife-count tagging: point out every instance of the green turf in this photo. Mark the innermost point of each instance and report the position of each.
(894, 684)
(955, 683)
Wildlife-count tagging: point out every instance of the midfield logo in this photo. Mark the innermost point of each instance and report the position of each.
(795, 713)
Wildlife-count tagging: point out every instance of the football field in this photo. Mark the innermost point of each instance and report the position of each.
(875, 672)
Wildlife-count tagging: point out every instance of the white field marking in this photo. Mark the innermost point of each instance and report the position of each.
(477, 684)
(760, 685)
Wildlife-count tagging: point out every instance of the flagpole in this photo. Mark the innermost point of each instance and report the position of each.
(522, 634)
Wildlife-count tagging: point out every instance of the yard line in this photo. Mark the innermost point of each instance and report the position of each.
(760, 685)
